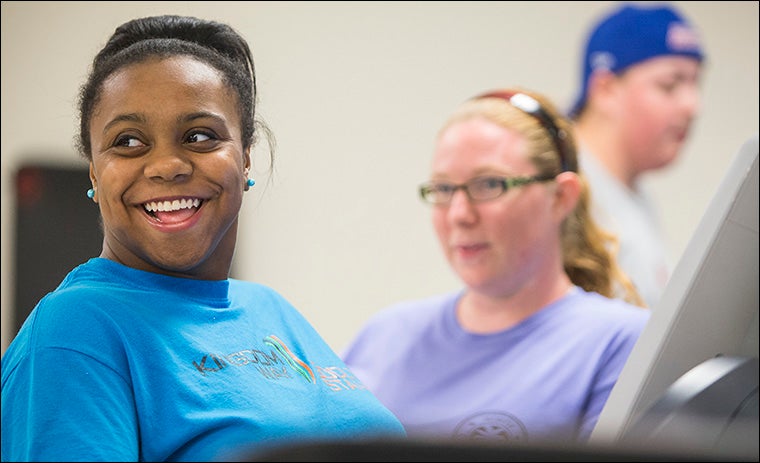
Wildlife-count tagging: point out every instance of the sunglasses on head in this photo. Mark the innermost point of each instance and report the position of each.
(530, 105)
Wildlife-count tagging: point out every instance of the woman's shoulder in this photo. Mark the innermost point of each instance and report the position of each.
(414, 311)
(71, 318)
(608, 309)
(247, 291)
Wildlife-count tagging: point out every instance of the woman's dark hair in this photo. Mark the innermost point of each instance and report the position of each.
(210, 42)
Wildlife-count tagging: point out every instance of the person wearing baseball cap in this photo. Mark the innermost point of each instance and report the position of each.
(640, 93)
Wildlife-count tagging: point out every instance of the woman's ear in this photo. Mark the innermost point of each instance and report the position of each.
(94, 183)
(248, 182)
(247, 159)
(567, 193)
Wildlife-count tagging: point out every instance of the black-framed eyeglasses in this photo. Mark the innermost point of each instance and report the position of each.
(530, 105)
(478, 189)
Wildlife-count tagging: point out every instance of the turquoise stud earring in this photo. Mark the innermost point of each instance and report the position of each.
(91, 193)
(250, 182)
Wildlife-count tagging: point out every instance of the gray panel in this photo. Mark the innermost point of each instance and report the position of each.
(710, 306)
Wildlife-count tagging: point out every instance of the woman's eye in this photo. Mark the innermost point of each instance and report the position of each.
(491, 183)
(198, 137)
(128, 141)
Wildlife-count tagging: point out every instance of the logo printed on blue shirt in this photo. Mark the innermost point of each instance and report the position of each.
(295, 363)
(279, 363)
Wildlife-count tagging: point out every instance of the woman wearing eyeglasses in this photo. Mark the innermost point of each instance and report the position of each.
(532, 344)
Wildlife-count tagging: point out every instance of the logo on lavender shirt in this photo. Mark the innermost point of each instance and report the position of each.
(492, 426)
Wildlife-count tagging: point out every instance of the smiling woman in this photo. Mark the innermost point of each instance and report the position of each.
(151, 343)
(155, 141)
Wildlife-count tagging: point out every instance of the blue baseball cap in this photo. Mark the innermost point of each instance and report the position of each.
(631, 34)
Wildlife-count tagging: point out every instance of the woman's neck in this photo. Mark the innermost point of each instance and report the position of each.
(482, 313)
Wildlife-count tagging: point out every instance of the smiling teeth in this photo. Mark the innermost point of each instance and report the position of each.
(168, 206)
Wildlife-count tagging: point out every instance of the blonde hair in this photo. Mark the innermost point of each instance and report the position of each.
(589, 252)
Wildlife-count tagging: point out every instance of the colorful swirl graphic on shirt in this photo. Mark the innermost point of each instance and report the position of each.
(297, 364)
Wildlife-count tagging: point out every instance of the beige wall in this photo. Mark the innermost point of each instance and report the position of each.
(354, 92)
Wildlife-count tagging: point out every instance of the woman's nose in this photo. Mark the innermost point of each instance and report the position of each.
(167, 163)
(461, 207)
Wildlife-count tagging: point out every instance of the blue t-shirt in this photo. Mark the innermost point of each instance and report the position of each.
(119, 364)
(548, 377)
